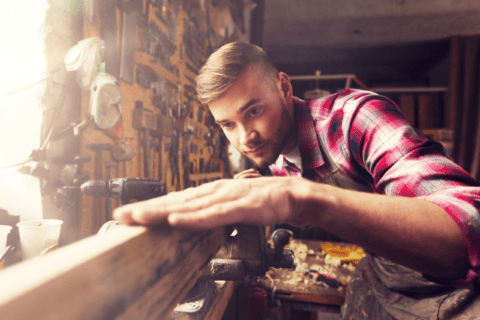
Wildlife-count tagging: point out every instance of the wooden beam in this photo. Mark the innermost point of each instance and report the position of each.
(125, 273)
(360, 83)
(410, 90)
(322, 77)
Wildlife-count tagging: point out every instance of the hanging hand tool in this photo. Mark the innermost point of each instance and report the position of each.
(89, 11)
(157, 44)
(194, 37)
(173, 157)
(146, 76)
(145, 120)
(165, 128)
(72, 173)
(98, 148)
(129, 38)
(224, 158)
(123, 152)
(128, 190)
(186, 159)
(81, 176)
(108, 17)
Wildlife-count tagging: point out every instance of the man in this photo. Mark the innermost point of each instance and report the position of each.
(348, 163)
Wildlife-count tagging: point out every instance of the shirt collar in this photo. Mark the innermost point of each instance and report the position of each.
(307, 139)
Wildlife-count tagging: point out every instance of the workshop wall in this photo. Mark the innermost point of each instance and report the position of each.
(158, 130)
(154, 49)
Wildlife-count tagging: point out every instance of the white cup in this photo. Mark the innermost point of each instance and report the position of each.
(38, 235)
(4, 231)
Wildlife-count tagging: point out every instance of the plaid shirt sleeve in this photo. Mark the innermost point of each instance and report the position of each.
(370, 139)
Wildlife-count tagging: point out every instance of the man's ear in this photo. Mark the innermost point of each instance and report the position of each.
(284, 85)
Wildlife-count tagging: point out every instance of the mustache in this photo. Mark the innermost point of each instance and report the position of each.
(254, 145)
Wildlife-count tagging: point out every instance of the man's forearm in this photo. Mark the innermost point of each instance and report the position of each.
(412, 232)
(409, 231)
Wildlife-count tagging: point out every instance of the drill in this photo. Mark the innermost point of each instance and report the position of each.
(128, 190)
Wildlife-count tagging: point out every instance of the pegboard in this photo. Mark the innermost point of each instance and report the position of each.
(162, 120)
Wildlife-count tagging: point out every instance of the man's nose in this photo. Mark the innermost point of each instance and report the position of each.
(248, 135)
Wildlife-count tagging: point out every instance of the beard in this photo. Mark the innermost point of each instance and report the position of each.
(282, 133)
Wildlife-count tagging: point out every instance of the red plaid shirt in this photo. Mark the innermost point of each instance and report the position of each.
(371, 142)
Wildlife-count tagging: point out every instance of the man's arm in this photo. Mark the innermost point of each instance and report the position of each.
(410, 231)
(413, 232)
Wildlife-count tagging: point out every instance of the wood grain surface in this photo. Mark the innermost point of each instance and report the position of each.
(126, 273)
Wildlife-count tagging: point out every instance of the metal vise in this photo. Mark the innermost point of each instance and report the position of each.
(249, 254)
(246, 254)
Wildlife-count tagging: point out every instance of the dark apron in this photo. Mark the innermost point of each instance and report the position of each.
(383, 290)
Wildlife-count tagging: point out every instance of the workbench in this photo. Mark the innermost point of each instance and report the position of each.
(298, 290)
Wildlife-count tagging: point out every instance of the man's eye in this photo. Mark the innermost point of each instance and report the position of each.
(254, 111)
(227, 125)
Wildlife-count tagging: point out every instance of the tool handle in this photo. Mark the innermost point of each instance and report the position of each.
(280, 238)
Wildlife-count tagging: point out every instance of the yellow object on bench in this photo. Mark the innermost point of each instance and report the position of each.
(351, 254)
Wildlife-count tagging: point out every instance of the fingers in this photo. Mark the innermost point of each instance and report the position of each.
(198, 213)
(144, 213)
(123, 216)
(157, 210)
(262, 201)
(249, 173)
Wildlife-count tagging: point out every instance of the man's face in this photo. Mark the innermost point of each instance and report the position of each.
(254, 116)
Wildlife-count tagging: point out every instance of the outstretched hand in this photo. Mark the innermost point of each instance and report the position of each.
(246, 174)
(262, 201)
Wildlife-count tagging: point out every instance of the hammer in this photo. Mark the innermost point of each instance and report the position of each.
(145, 120)
(98, 148)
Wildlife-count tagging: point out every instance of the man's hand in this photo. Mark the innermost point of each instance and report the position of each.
(246, 174)
(264, 201)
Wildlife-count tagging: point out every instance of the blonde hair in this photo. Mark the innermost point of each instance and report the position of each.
(226, 65)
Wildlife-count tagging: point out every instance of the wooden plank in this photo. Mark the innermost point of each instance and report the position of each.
(126, 273)
(410, 89)
(221, 300)
(360, 83)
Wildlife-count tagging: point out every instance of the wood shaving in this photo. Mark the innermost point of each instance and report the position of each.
(327, 262)
(327, 259)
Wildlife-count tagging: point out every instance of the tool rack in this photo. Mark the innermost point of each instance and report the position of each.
(174, 136)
